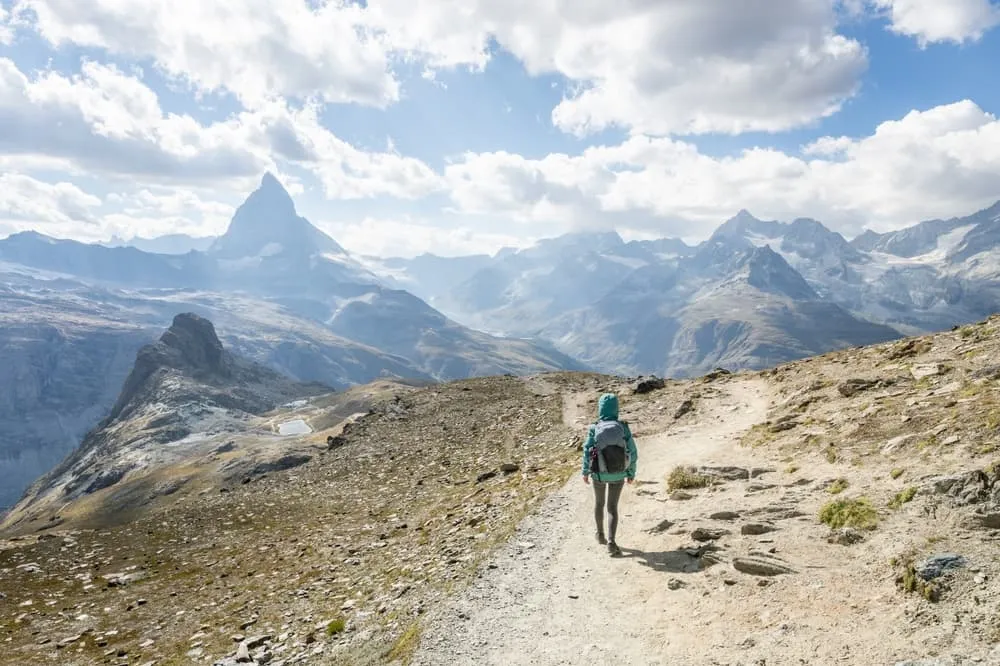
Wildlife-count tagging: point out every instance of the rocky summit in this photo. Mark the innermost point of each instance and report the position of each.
(841, 508)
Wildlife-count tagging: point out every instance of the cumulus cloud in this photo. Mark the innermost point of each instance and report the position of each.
(930, 163)
(156, 212)
(256, 49)
(406, 236)
(941, 21)
(686, 66)
(105, 121)
(6, 31)
(54, 208)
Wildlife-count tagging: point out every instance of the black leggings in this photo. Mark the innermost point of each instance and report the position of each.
(614, 492)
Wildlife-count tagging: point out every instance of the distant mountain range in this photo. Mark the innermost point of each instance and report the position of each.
(284, 294)
(755, 293)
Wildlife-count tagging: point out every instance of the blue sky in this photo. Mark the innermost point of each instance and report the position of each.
(411, 125)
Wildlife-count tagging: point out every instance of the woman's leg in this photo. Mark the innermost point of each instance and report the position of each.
(599, 491)
(614, 494)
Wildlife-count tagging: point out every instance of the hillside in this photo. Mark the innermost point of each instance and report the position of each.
(790, 514)
(282, 293)
(620, 305)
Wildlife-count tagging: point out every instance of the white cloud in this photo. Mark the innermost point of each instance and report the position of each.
(105, 121)
(254, 48)
(55, 208)
(6, 31)
(938, 162)
(941, 20)
(156, 212)
(409, 237)
(297, 136)
(685, 66)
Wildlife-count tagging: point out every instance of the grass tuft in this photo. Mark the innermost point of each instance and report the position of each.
(406, 645)
(838, 486)
(682, 478)
(902, 497)
(857, 512)
(335, 626)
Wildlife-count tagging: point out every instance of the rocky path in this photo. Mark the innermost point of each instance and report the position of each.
(553, 595)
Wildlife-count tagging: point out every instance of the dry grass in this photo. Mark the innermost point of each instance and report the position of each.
(682, 478)
(857, 513)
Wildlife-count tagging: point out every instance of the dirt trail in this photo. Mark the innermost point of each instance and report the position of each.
(553, 595)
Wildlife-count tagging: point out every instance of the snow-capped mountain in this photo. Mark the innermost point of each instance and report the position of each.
(280, 291)
(619, 304)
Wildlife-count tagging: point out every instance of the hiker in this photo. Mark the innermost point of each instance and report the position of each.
(609, 456)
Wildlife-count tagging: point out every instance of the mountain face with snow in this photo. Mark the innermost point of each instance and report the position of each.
(755, 293)
(281, 292)
(183, 392)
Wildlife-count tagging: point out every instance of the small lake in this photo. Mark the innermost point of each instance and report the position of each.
(296, 427)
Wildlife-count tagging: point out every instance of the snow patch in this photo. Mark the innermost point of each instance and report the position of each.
(294, 427)
(945, 245)
(271, 249)
(629, 262)
(295, 404)
(760, 241)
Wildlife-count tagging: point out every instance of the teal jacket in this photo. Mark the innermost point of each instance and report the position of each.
(607, 410)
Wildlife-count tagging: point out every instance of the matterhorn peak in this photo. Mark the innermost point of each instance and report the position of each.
(267, 224)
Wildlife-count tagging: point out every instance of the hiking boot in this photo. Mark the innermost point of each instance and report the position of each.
(614, 550)
(600, 538)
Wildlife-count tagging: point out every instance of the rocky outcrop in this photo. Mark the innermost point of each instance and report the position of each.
(182, 386)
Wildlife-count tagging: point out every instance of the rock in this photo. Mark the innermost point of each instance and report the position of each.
(936, 565)
(718, 373)
(648, 385)
(974, 487)
(485, 476)
(756, 529)
(924, 370)
(761, 565)
(122, 579)
(845, 536)
(726, 473)
(783, 426)
(897, 442)
(684, 408)
(853, 386)
(681, 495)
(243, 654)
(703, 534)
(759, 487)
(257, 641)
(68, 641)
(757, 472)
(661, 526)
(509, 468)
(675, 584)
(724, 515)
(952, 440)
(990, 521)
(988, 372)
(288, 461)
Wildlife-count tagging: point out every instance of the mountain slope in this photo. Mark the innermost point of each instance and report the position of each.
(284, 293)
(726, 306)
(870, 473)
(183, 391)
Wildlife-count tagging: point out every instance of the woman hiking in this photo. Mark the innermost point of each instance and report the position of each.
(609, 456)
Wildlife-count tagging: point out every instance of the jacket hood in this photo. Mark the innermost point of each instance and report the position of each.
(607, 407)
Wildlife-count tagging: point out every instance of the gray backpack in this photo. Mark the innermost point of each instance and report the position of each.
(610, 447)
